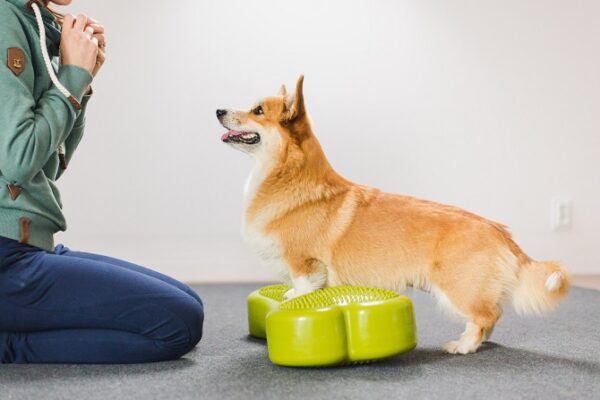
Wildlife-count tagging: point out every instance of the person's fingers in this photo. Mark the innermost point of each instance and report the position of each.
(80, 23)
(100, 59)
(68, 22)
(95, 41)
(101, 39)
(89, 32)
(97, 27)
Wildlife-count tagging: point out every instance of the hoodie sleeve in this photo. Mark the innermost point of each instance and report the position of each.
(31, 130)
(76, 134)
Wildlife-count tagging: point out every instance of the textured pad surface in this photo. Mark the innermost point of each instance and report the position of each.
(344, 324)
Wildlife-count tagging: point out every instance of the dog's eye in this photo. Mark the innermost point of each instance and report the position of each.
(258, 111)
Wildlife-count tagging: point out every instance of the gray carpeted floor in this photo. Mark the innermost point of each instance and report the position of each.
(531, 358)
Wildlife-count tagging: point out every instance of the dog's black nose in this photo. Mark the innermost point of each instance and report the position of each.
(220, 113)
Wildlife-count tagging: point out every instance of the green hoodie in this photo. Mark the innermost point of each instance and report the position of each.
(35, 119)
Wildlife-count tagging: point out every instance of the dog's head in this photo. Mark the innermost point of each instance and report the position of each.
(267, 128)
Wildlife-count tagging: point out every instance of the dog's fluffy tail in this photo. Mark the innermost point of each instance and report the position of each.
(541, 286)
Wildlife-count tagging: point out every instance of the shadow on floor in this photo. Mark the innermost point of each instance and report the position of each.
(30, 373)
(489, 356)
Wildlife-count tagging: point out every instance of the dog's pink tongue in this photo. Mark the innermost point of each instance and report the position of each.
(229, 134)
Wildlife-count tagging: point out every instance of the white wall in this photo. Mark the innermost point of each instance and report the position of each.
(491, 106)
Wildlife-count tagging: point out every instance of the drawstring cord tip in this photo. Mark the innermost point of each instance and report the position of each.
(62, 161)
(75, 103)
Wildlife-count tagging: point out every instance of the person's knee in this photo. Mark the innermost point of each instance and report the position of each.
(192, 293)
(187, 332)
(195, 314)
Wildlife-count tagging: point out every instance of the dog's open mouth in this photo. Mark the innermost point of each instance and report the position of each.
(241, 137)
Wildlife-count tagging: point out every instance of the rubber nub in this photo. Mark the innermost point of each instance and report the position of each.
(274, 292)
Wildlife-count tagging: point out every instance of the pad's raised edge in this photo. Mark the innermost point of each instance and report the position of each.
(260, 303)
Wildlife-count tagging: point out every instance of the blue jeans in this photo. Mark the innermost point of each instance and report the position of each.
(72, 307)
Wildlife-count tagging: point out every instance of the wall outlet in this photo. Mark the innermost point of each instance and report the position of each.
(562, 213)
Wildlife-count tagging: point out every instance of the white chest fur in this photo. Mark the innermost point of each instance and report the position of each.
(266, 247)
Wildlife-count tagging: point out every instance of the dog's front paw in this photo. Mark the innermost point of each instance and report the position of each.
(459, 347)
(290, 294)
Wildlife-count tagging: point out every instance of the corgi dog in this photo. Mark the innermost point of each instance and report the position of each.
(322, 230)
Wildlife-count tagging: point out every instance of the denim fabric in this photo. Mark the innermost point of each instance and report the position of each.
(72, 307)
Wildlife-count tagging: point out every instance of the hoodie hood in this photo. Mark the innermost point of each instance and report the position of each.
(52, 27)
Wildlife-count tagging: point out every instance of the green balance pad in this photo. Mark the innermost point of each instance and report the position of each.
(344, 324)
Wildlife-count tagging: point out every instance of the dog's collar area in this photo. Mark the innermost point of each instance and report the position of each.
(241, 137)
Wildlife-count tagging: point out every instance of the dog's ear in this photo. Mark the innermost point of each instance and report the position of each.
(283, 91)
(297, 109)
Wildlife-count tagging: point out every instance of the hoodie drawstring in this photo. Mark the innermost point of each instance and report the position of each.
(42, 30)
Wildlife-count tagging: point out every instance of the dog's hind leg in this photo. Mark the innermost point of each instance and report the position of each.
(479, 327)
